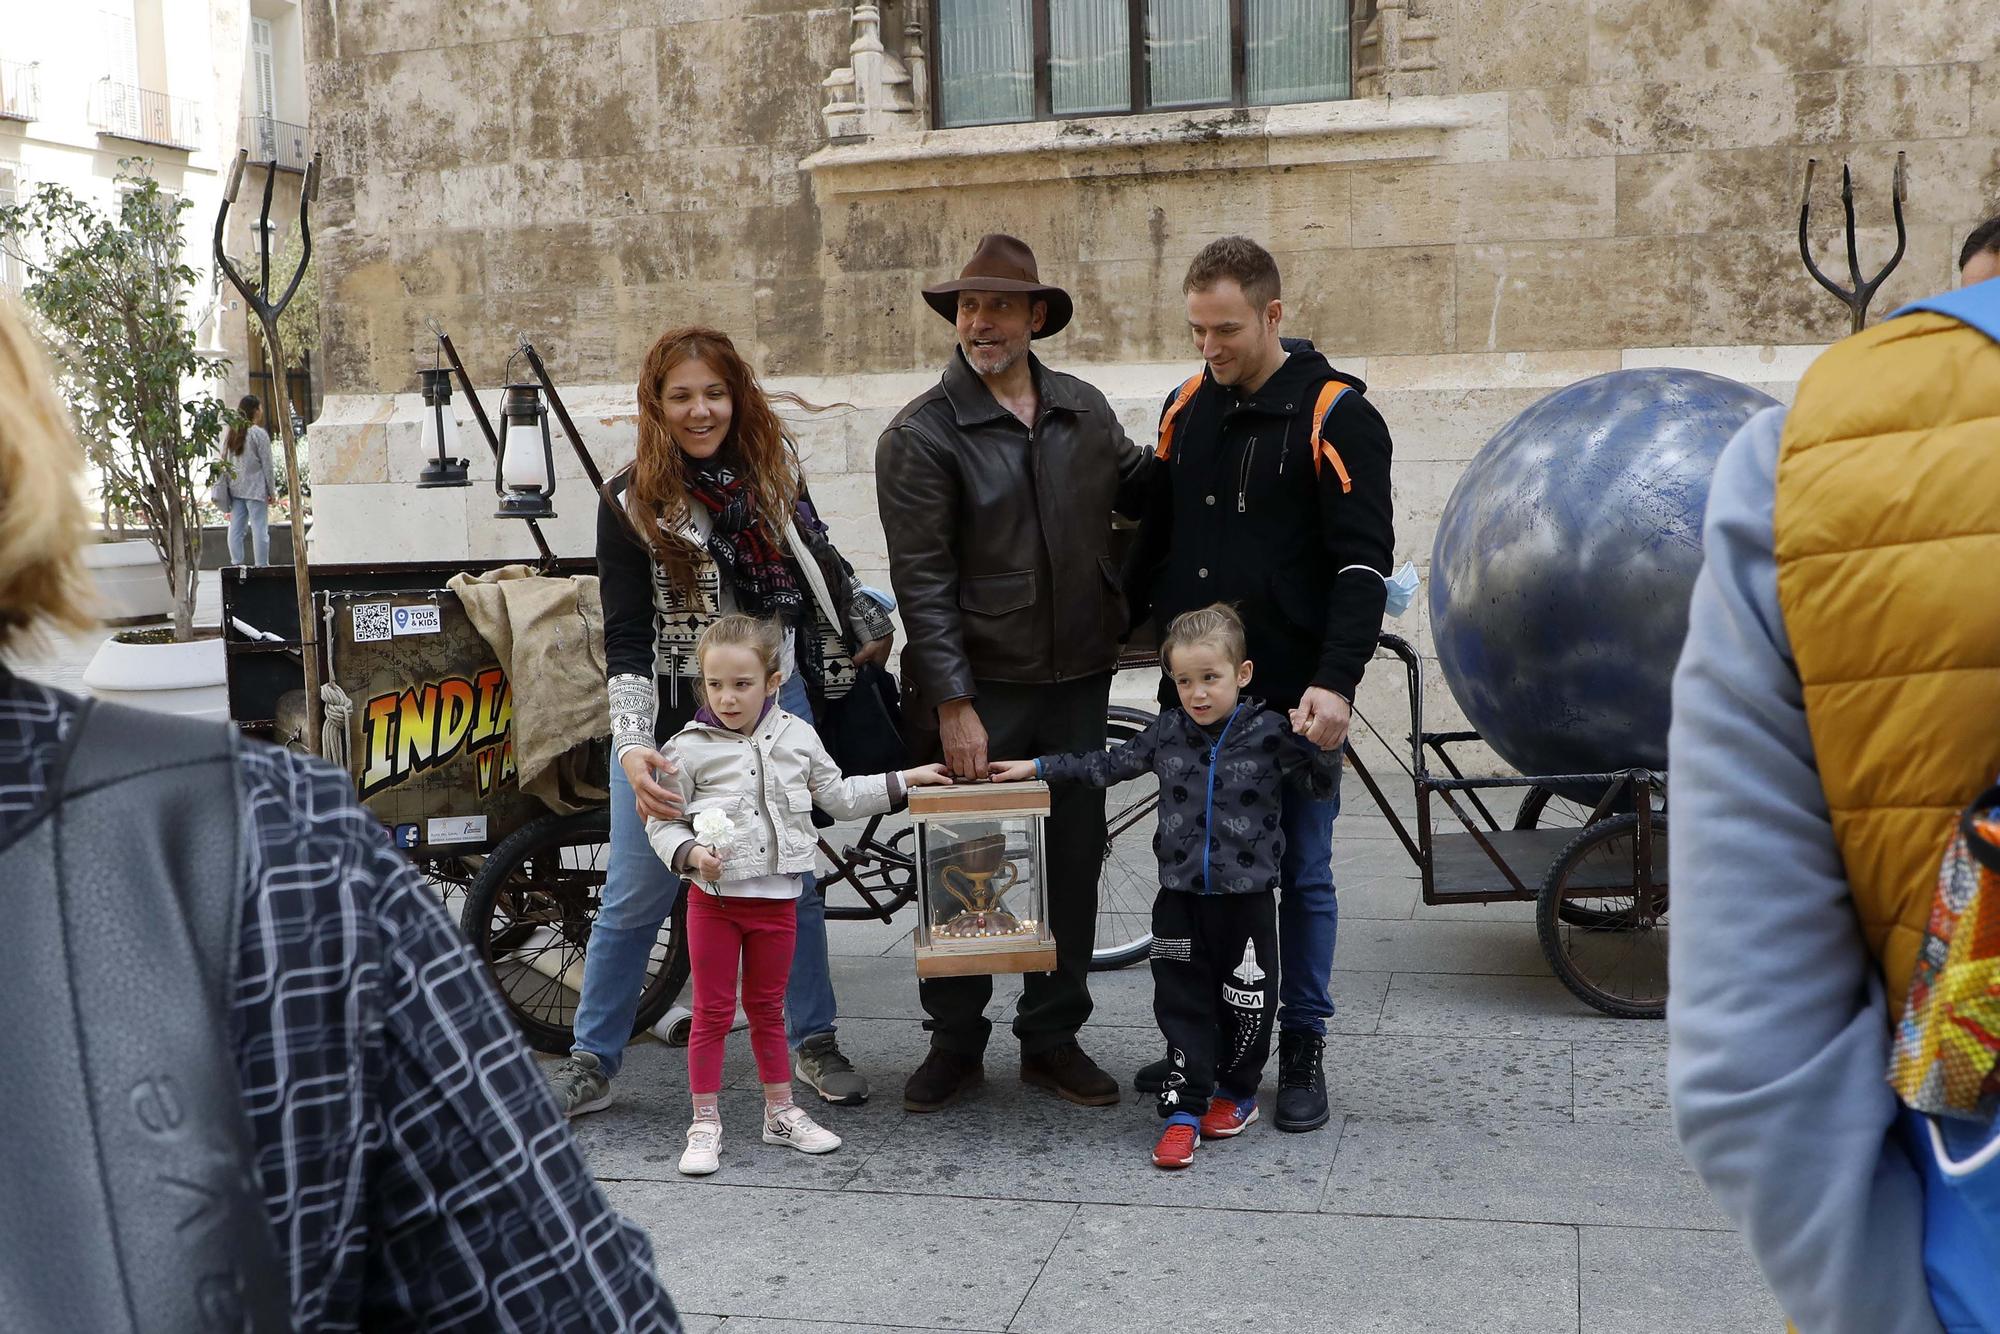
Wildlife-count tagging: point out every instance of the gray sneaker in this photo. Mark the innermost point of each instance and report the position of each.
(580, 1085)
(820, 1065)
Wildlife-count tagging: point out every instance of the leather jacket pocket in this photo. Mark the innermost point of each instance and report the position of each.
(997, 594)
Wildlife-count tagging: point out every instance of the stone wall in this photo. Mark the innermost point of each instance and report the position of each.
(1539, 191)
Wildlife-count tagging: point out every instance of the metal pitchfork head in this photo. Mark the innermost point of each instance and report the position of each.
(1856, 298)
(267, 311)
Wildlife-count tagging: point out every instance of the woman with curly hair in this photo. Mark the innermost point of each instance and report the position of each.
(712, 517)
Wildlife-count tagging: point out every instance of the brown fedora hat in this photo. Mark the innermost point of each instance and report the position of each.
(1002, 263)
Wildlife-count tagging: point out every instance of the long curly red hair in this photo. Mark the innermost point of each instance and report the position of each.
(758, 447)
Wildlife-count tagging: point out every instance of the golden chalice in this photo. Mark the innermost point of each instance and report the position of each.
(978, 876)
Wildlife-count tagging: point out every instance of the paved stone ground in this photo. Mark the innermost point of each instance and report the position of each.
(1499, 1160)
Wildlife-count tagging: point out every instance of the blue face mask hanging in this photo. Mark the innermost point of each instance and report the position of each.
(1402, 586)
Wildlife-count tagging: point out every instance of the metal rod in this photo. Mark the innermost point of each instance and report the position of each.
(562, 417)
(1382, 801)
(267, 312)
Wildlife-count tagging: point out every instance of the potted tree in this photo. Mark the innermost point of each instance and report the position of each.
(112, 296)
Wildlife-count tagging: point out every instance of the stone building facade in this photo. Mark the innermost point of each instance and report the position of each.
(1522, 193)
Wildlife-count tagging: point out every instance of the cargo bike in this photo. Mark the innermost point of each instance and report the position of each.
(423, 726)
(1589, 850)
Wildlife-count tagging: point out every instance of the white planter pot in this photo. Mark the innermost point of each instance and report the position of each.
(187, 679)
(131, 583)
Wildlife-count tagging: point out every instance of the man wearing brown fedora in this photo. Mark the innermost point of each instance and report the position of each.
(996, 489)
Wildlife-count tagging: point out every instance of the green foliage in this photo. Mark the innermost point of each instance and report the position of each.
(298, 324)
(112, 297)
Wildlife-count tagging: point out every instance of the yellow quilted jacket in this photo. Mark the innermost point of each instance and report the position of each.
(1888, 550)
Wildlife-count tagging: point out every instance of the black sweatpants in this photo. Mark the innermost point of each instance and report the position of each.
(1022, 722)
(1215, 992)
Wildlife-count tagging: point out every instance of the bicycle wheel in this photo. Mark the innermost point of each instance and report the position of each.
(529, 912)
(1545, 808)
(1131, 874)
(1603, 936)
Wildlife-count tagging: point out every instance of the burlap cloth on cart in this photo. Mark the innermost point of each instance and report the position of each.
(549, 637)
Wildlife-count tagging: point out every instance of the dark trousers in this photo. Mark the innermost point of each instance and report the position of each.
(1215, 992)
(1023, 722)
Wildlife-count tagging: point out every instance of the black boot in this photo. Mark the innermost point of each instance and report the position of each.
(1152, 1076)
(940, 1079)
(1067, 1072)
(1301, 1081)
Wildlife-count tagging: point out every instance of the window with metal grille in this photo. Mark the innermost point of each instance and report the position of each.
(998, 61)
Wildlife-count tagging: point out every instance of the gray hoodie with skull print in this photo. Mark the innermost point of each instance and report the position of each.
(1219, 831)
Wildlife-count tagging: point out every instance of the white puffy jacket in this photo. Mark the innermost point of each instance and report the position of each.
(766, 782)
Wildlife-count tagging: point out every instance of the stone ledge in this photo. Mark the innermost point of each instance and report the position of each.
(1361, 130)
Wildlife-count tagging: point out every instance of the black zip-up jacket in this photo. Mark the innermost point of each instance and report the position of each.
(1000, 536)
(1218, 830)
(1239, 516)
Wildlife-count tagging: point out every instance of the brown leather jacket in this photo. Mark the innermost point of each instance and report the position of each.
(1000, 537)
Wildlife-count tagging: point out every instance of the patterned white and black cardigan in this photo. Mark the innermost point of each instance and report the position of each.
(650, 628)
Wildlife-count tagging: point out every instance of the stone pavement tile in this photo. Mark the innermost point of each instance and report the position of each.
(1657, 1281)
(1121, 1269)
(641, 1134)
(1622, 1083)
(881, 1260)
(701, 1324)
(1492, 1005)
(1632, 1176)
(1011, 1141)
(870, 937)
(1390, 897)
(743, 1324)
(1474, 1080)
(1377, 946)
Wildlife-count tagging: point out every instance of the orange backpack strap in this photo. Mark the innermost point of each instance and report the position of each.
(1181, 398)
(1329, 394)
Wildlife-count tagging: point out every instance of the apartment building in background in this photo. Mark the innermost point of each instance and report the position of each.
(174, 88)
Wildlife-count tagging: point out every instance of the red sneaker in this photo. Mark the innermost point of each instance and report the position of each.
(1176, 1146)
(1226, 1118)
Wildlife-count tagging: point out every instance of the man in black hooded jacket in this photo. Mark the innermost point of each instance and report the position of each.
(1275, 498)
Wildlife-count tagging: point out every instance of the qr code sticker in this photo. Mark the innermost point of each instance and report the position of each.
(371, 622)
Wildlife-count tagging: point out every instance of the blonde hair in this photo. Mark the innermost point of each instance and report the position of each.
(736, 630)
(43, 523)
(1218, 626)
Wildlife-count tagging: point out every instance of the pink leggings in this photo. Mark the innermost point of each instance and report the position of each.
(722, 932)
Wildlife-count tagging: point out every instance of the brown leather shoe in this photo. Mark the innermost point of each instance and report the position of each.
(940, 1079)
(1065, 1071)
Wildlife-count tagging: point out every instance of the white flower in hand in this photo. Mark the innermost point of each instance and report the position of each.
(712, 828)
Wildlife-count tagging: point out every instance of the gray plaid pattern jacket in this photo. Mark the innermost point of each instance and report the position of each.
(415, 1168)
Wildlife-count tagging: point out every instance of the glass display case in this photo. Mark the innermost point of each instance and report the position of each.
(981, 879)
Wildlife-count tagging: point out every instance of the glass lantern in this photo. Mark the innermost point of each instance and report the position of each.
(981, 879)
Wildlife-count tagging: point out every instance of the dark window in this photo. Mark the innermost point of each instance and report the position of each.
(997, 61)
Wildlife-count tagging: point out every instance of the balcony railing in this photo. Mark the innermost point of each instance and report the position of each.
(20, 98)
(275, 141)
(145, 116)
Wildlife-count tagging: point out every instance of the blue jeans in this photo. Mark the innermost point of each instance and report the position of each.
(256, 516)
(1308, 914)
(639, 892)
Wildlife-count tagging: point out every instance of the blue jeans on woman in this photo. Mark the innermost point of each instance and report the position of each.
(639, 892)
(256, 516)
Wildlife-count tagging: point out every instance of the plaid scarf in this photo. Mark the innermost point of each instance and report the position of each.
(754, 567)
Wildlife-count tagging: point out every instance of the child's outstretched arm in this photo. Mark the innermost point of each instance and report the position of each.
(1096, 768)
(866, 794)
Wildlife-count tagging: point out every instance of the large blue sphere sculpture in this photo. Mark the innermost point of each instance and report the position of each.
(1564, 562)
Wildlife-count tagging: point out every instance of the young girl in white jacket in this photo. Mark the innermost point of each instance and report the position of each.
(749, 776)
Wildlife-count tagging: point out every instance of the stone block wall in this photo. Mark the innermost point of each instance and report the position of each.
(1548, 189)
